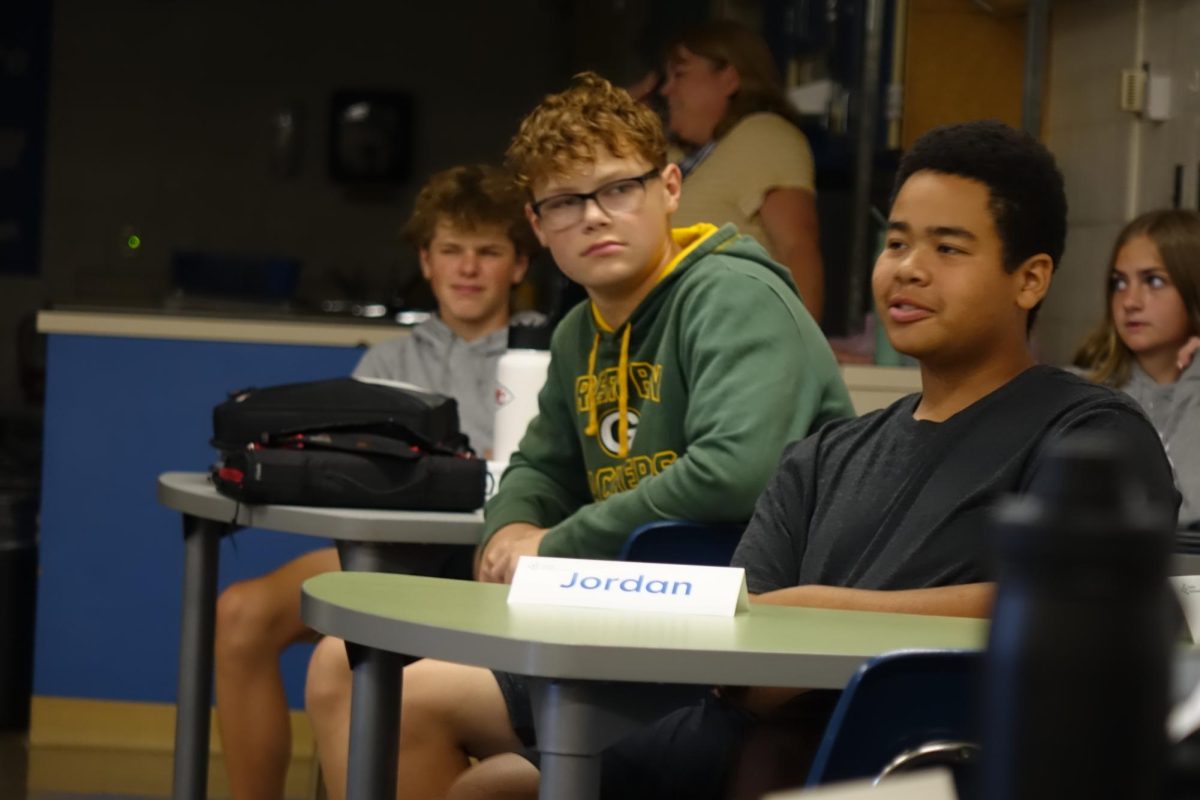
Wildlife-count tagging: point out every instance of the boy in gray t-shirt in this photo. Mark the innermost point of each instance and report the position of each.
(436, 358)
(474, 244)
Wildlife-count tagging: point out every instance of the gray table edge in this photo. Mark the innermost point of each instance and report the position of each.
(573, 661)
(192, 493)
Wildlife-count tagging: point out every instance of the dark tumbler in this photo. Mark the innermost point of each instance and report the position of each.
(1076, 691)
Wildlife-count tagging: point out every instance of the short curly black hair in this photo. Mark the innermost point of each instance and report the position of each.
(1027, 198)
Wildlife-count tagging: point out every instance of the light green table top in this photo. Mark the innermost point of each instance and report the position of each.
(471, 623)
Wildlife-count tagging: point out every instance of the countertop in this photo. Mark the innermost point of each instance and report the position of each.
(871, 386)
(215, 326)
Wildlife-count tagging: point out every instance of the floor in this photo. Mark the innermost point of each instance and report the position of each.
(75, 773)
(14, 758)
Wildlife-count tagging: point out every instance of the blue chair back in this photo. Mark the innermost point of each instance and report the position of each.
(895, 703)
(672, 541)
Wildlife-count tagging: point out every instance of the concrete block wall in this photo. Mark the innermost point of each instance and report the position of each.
(1115, 163)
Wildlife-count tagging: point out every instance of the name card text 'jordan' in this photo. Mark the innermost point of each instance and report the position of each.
(627, 585)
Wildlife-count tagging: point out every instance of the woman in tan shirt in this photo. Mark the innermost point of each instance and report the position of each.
(746, 161)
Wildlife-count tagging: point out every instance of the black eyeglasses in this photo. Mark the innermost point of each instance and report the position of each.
(561, 211)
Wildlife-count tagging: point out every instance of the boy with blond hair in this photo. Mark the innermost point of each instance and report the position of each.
(474, 244)
(671, 393)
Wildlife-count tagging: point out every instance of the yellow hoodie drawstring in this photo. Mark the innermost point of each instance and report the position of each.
(593, 425)
(688, 239)
(623, 395)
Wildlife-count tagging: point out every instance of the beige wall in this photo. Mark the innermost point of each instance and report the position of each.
(1172, 45)
(1116, 165)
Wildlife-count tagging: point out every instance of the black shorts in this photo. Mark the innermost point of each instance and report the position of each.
(437, 561)
(517, 700)
(700, 751)
(689, 753)
(459, 564)
(515, 690)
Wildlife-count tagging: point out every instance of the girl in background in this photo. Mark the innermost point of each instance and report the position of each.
(746, 160)
(1151, 331)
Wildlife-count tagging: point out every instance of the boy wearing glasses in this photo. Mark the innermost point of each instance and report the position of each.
(675, 345)
(670, 395)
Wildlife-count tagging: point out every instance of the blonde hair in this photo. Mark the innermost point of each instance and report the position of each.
(1176, 235)
(573, 128)
(726, 43)
(469, 198)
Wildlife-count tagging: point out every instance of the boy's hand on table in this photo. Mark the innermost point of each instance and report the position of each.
(498, 561)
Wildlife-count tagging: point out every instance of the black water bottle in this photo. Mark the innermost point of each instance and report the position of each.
(1076, 689)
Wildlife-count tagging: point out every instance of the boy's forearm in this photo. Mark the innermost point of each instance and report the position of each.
(963, 600)
(530, 497)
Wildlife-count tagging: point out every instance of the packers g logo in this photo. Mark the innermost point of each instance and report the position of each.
(609, 431)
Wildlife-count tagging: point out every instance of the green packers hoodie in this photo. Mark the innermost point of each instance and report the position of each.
(680, 413)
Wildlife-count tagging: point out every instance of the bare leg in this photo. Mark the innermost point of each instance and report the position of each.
(507, 776)
(256, 621)
(448, 713)
(327, 701)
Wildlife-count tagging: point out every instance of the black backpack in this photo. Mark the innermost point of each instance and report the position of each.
(346, 442)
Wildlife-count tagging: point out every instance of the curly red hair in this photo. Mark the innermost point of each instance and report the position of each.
(572, 128)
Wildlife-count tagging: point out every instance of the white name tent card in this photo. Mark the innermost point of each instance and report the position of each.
(925, 784)
(1188, 589)
(629, 586)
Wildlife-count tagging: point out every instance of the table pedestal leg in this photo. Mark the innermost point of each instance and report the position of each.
(201, 540)
(577, 720)
(378, 681)
(374, 723)
(569, 717)
(569, 776)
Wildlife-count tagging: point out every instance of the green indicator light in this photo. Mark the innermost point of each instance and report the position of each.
(134, 242)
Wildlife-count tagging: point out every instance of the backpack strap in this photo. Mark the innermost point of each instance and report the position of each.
(353, 442)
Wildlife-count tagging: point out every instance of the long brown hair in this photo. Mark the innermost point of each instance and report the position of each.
(1176, 234)
(727, 43)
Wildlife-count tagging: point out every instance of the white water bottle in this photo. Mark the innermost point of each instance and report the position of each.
(520, 375)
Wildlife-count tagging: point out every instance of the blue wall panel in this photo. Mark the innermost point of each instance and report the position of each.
(120, 411)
